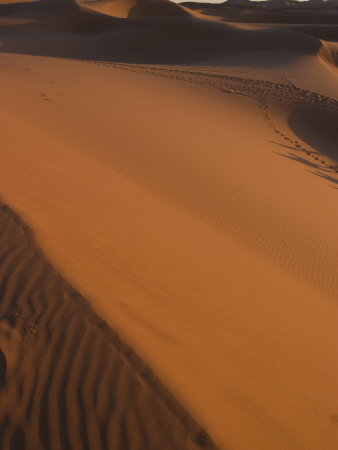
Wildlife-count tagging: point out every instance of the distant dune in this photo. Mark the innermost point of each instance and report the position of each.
(176, 37)
(271, 11)
(136, 8)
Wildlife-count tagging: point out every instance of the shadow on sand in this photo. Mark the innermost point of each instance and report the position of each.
(325, 176)
(3, 369)
(317, 127)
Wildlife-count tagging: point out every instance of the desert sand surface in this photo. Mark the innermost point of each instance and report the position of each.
(68, 380)
(169, 276)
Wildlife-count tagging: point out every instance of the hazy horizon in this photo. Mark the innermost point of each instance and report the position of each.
(222, 1)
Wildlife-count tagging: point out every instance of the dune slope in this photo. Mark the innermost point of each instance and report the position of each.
(178, 166)
(198, 225)
(136, 8)
(66, 379)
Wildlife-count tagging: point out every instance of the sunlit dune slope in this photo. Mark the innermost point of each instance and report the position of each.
(199, 226)
(136, 8)
(178, 166)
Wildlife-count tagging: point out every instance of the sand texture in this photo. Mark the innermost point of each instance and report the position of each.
(178, 166)
(67, 380)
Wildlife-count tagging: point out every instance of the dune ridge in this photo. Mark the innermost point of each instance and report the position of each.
(75, 31)
(136, 8)
(67, 381)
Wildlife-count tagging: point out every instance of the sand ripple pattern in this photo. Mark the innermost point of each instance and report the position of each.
(67, 381)
(295, 245)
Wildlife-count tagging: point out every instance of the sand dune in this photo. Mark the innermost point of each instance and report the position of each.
(317, 19)
(329, 53)
(178, 166)
(69, 30)
(318, 128)
(191, 244)
(67, 380)
(269, 12)
(136, 8)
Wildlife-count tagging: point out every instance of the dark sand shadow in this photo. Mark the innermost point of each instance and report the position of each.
(299, 159)
(322, 172)
(283, 145)
(64, 29)
(317, 127)
(325, 176)
(3, 369)
(17, 441)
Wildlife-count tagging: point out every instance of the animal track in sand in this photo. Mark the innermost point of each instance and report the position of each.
(297, 146)
(264, 91)
(235, 84)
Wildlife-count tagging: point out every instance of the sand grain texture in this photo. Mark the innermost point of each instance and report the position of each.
(190, 244)
(66, 380)
(178, 166)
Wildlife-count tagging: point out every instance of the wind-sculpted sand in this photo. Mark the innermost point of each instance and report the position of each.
(178, 166)
(271, 232)
(67, 381)
(198, 224)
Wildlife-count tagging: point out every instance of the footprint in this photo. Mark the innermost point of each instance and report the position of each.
(31, 328)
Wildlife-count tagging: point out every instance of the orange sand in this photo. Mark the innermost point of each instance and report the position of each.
(194, 208)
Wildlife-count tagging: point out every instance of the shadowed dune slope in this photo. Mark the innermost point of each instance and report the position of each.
(270, 11)
(65, 29)
(66, 380)
(317, 19)
(318, 128)
(54, 15)
(329, 53)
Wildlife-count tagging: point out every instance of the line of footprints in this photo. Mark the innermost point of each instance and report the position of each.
(247, 86)
(265, 110)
